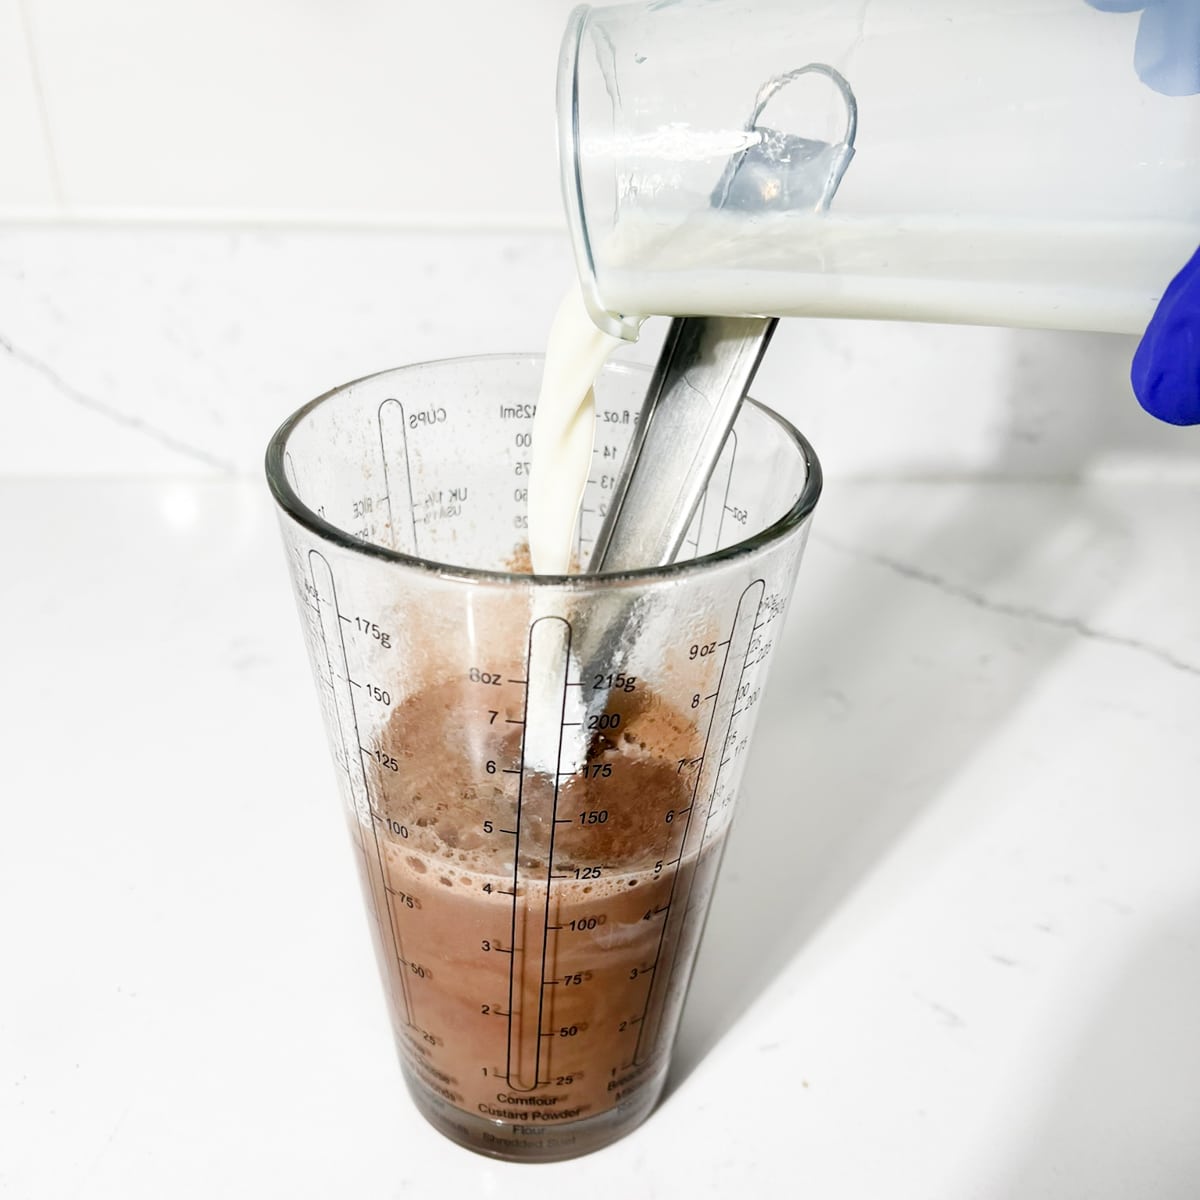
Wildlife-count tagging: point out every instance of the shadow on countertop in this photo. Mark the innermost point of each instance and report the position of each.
(845, 757)
(1119, 1113)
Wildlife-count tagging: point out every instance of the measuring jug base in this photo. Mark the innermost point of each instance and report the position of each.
(537, 1143)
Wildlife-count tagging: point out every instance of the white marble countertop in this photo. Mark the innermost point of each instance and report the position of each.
(955, 952)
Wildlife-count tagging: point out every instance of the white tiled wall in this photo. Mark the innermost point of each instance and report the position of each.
(385, 110)
(211, 212)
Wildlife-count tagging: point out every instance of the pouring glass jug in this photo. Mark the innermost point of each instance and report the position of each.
(1010, 166)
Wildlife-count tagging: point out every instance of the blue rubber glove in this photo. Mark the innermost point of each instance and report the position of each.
(1166, 365)
(1166, 55)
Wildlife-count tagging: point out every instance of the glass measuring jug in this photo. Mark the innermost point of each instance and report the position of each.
(538, 772)
(1009, 164)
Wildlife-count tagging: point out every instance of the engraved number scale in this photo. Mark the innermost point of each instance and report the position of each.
(327, 620)
(532, 929)
(683, 914)
(548, 662)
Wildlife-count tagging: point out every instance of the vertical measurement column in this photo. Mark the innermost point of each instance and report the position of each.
(681, 926)
(397, 477)
(330, 622)
(704, 536)
(614, 430)
(547, 665)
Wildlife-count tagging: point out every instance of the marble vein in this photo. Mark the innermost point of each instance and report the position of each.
(113, 414)
(43, 110)
(1022, 612)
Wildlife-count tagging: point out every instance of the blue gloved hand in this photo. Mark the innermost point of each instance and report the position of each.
(1166, 365)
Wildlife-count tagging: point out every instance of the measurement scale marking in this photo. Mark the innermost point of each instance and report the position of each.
(388, 453)
(701, 535)
(548, 658)
(731, 441)
(321, 575)
(674, 928)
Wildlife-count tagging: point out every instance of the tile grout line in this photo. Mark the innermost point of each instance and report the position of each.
(35, 70)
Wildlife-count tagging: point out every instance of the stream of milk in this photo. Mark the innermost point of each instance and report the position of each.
(563, 430)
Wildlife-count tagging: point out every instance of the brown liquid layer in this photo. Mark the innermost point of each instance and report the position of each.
(545, 993)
